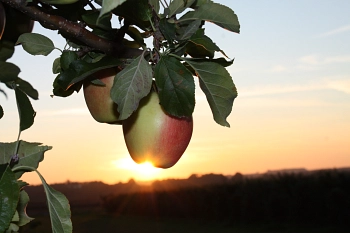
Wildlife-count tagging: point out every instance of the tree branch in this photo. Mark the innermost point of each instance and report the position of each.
(73, 29)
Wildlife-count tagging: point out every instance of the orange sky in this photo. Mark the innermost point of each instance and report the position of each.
(292, 72)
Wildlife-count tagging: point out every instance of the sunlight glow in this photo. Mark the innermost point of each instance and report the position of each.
(144, 171)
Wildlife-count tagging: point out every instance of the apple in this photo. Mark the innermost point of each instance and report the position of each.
(17, 23)
(98, 99)
(151, 135)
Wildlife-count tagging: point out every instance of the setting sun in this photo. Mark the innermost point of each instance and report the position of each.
(143, 171)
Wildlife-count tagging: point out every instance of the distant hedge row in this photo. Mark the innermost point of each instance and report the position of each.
(317, 198)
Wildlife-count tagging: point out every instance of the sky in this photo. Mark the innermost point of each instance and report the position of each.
(292, 72)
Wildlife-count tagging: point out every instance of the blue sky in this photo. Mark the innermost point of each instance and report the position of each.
(292, 72)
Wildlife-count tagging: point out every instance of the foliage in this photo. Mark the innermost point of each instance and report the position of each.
(179, 52)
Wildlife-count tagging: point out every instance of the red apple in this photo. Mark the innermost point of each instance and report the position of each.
(97, 97)
(152, 135)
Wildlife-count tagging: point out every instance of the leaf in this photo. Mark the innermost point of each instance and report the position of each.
(36, 44)
(130, 85)
(109, 5)
(84, 69)
(178, 6)
(91, 18)
(59, 209)
(221, 15)
(25, 110)
(3, 92)
(29, 154)
(9, 194)
(187, 33)
(155, 5)
(56, 66)
(26, 87)
(67, 58)
(7, 48)
(21, 209)
(13, 228)
(58, 90)
(168, 30)
(59, 2)
(135, 34)
(221, 61)
(78, 71)
(136, 12)
(176, 87)
(217, 85)
(200, 45)
(1, 112)
(9, 72)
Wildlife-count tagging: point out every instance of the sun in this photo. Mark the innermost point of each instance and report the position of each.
(143, 171)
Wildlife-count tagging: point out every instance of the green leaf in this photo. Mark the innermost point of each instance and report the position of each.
(155, 5)
(59, 2)
(21, 209)
(221, 15)
(84, 69)
(130, 85)
(200, 2)
(109, 5)
(59, 209)
(67, 58)
(36, 44)
(9, 194)
(136, 12)
(58, 89)
(200, 45)
(13, 228)
(26, 87)
(3, 92)
(217, 85)
(9, 72)
(25, 110)
(1, 112)
(29, 154)
(78, 71)
(7, 48)
(91, 18)
(221, 61)
(186, 31)
(176, 87)
(168, 30)
(56, 66)
(178, 6)
(135, 34)
(22, 184)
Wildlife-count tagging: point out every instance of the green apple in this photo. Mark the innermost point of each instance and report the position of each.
(2, 19)
(17, 23)
(151, 135)
(97, 97)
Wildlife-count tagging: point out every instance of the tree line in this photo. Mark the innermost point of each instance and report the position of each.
(320, 197)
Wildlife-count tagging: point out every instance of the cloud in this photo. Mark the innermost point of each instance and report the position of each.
(279, 89)
(337, 83)
(336, 31)
(318, 60)
(278, 69)
(340, 85)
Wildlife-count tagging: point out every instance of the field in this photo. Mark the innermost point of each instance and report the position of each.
(94, 220)
(311, 202)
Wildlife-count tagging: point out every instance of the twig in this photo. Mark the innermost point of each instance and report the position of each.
(74, 30)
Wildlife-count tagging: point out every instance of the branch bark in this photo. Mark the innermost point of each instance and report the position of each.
(73, 29)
